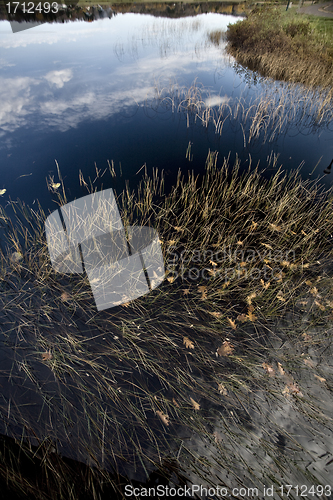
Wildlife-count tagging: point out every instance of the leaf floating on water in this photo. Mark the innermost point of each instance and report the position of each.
(222, 389)
(232, 324)
(2, 191)
(163, 417)
(216, 314)
(291, 388)
(16, 256)
(65, 297)
(264, 285)
(242, 318)
(46, 356)
(250, 297)
(321, 306)
(195, 404)
(269, 369)
(188, 343)
(280, 297)
(309, 363)
(280, 369)
(321, 379)
(225, 349)
(252, 317)
(55, 185)
(274, 227)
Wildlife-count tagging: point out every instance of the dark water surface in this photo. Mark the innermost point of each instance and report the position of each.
(84, 93)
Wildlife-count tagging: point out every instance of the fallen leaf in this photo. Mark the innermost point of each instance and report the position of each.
(321, 379)
(250, 297)
(292, 388)
(314, 291)
(188, 343)
(2, 191)
(243, 264)
(321, 306)
(55, 185)
(252, 317)
(16, 257)
(203, 291)
(269, 369)
(46, 355)
(264, 285)
(222, 389)
(274, 227)
(285, 263)
(242, 318)
(216, 314)
(232, 324)
(217, 437)
(280, 369)
(170, 279)
(308, 282)
(163, 417)
(253, 226)
(177, 228)
(186, 291)
(239, 243)
(65, 297)
(195, 404)
(280, 297)
(171, 242)
(225, 349)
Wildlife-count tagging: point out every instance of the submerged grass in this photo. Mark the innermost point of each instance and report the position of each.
(284, 46)
(174, 386)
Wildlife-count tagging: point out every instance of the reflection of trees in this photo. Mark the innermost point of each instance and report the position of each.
(70, 13)
(180, 9)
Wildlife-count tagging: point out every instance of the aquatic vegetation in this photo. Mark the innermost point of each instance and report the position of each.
(273, 110)
(187, 380)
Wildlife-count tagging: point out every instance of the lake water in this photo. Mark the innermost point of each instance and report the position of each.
(136, 90)
(84, 93)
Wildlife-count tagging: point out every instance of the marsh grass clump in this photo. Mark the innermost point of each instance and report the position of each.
(284, 46)
(174, 386)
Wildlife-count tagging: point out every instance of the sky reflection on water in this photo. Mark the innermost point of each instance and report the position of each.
(82, 94)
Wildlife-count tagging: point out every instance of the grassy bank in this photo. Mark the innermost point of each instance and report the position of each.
(174, 381)
(284, 45)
